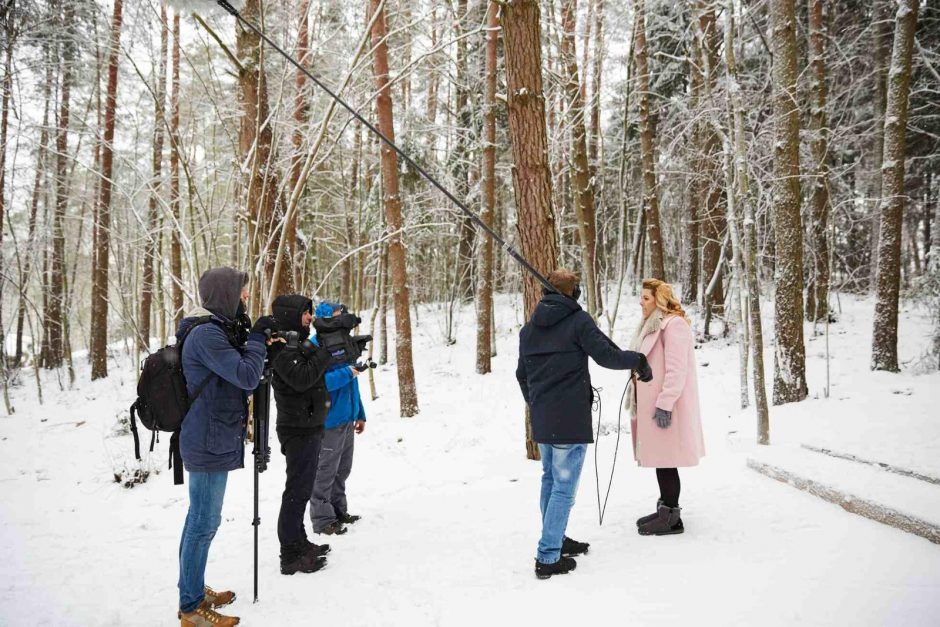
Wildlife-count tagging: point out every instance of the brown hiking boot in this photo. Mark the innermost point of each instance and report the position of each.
(219, 599)
(205, 616)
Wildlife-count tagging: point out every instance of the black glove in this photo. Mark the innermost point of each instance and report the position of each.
(643, 371)
(265, 325)
(663, 418)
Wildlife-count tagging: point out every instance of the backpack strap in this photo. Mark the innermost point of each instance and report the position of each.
(134, 431)
(201, 387)
(176, 459)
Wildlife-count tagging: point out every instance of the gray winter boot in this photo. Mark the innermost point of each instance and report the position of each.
(649, 517)
(667, 522)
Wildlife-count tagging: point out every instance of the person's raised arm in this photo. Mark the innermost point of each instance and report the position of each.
(241, 368)
(602, 349)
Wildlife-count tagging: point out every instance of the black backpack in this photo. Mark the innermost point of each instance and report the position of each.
(162, 400)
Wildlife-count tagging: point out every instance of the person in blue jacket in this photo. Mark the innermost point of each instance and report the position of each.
(212, 435)
(328, 509)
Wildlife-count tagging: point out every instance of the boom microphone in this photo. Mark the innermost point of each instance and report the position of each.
(230, 7)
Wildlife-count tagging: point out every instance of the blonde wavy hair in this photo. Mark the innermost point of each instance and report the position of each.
(666, 300)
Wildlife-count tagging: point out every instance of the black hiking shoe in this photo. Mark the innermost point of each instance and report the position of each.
(562, 567)
(318, 550)
(335, 528)
(649, 517)
(667, 523)
(303, 563)
(348, 519)
(571, 548)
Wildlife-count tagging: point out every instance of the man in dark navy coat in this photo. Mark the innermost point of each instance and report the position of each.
(554, 347)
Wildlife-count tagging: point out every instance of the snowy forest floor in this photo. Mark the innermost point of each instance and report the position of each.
(450, 504)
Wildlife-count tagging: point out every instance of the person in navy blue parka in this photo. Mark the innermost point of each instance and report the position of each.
(212, 436)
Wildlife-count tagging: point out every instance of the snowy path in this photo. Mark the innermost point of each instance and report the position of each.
(451, 517)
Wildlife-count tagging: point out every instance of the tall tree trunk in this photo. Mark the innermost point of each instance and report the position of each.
(713, 219)
(690, 263)
(54, 312)
(485, 291)
(176, 253)
(99, 302)
(790, 354)
(594, 144)
(881, 45)
(819, 127)
(647, 155)
(147, 285)
(256, 144)
(461, 152)
(407, 393)
(581, 173)
(742, 192)
(884, 346)
(7, 86)
(286, 279)
(531, 177)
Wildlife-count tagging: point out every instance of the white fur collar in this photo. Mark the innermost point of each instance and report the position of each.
(650, 325)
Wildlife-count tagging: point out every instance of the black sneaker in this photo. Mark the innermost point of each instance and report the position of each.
(562, 567)
(304, 563)
(335, 528)
(318, 550)
(348, 519)
(570, 548)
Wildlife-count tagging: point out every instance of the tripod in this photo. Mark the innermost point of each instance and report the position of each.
(261, 415)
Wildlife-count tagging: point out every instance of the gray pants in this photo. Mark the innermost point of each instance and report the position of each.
(328, 500)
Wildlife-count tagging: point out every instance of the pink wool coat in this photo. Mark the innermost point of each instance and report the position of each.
(670, 351)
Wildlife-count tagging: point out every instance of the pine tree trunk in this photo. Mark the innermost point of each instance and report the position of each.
(485, 290)
(819, 128)
(99, 303)
(407, 392)
(461, 153)
(176, 252)
(884, 346)
(881, 45)
(7, 86)
(531, 177)
(153, 208)
(790, 356)
(712, 219)
(647, 155)
(690, 262)
(54, 312)
(581, 173)
(742, 192)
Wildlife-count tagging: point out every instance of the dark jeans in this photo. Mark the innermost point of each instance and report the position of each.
(206, 491)
(302, 450)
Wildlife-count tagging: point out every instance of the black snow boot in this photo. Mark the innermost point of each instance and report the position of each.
(297, 559)
(649, 517)
(667, 522)
(347, 518)
(570, 548)
(562, 567)
(318, 550)
(335, 528)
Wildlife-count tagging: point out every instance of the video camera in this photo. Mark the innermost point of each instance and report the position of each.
(335, 334)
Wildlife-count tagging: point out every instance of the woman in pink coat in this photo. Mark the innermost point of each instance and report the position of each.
(665, 423)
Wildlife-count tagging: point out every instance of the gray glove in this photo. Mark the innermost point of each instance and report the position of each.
(663, 418)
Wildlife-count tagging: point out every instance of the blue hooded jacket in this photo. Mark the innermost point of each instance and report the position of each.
(345, 402)
(212, 436)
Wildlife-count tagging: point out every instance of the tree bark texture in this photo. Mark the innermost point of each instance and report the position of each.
(790, 355)
(884, 346)
(582, 184)
(407, 392)
(818, 288)
(176, 252)
(647, 156)
(531, 176)
(485, 290)
(153, 206)
(99, 293)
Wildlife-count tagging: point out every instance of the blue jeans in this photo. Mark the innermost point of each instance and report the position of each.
(206, 491)
(561, 470)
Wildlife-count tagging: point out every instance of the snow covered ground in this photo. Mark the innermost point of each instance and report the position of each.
(450, 506)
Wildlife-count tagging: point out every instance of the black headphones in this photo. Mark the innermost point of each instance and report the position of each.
(575, 293)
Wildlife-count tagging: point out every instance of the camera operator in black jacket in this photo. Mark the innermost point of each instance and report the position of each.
(302, 404)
